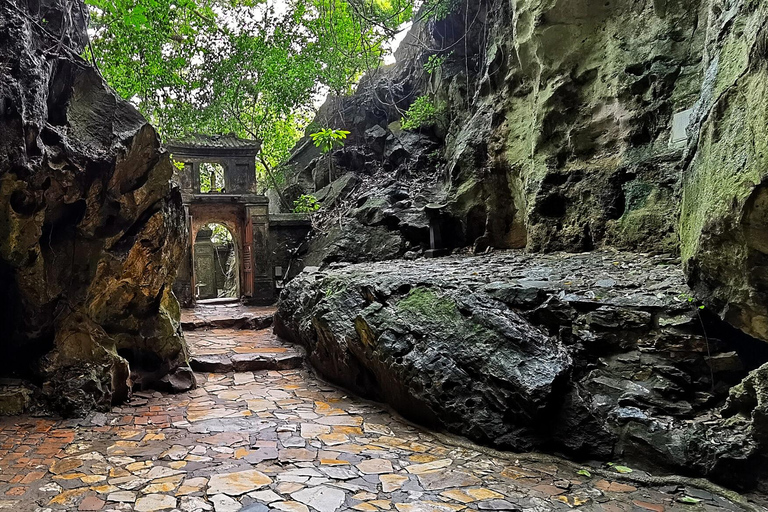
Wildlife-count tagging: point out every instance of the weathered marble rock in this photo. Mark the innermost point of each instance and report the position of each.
(90, 230)
(596, 355)
(553, 128)
(724, 223)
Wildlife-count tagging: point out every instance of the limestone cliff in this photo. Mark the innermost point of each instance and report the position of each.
(90, 230)
(724, 222)
(552, 130)
(563, 125)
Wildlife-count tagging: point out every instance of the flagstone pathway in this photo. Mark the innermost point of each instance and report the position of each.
(283, 440)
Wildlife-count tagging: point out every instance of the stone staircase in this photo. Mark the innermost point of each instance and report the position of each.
(234, 338)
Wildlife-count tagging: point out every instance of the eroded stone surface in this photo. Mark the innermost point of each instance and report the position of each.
(227, 316)
(91, 228)
(599, 354)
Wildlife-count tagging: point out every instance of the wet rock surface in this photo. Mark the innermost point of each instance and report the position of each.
(283, 440)
(90, 230)
(563, 126)
(598, 354)
(552, 131)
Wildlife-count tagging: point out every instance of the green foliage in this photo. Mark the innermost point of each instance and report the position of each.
(584, 472)
(221, 235)
(211, 178)
(423, 112)
(306, 204)
(252, 67)
(437, 10)
(435, 62)
(328, 139)
(690, 299)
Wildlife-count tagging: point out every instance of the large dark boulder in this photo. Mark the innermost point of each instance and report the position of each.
(596, 355)
(90, 230)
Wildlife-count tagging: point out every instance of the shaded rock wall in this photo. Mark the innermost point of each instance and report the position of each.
(724, 222)
(90, 230)
(554, 130)
(555, 133)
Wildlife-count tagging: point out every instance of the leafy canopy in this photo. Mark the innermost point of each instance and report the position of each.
(252, 67)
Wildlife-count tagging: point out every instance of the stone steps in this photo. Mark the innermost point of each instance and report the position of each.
(246, 362)
(227, 316)
(237, 350)
(244, 321)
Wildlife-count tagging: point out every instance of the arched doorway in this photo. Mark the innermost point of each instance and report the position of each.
(216, 261)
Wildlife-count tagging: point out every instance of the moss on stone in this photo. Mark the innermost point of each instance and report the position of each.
(732, 158)
(430, 306)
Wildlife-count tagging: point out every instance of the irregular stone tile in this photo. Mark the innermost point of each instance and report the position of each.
(392, 482)
(122, 496)
(349, 421)
(290, 506)
(154, 503)
(296, 455)
(235, 484)
(288, 487)
(437, 480)
(91, 504)
(255, 507)
(294, 442)
(223, 503)
(158, 472)
(191, 485)
(483, 494)
(312, 430)
(266, 496)
(175, 452)
(339, 473)
(65, 465)
(497, 505)
(427, 506)
(321, 498)
(333, 438)
(419, 469)
(365, 507)
(375, 466)
(194, 504)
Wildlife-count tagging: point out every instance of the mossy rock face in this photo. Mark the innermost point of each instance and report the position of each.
(724, 222)
(558, 109)
(91, 232)
(440, 356)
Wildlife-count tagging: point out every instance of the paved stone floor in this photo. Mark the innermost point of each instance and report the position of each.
(285, 441)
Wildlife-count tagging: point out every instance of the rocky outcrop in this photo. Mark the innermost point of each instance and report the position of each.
(90, 230)
(552, 128)
(724, 222)
(596, 355)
